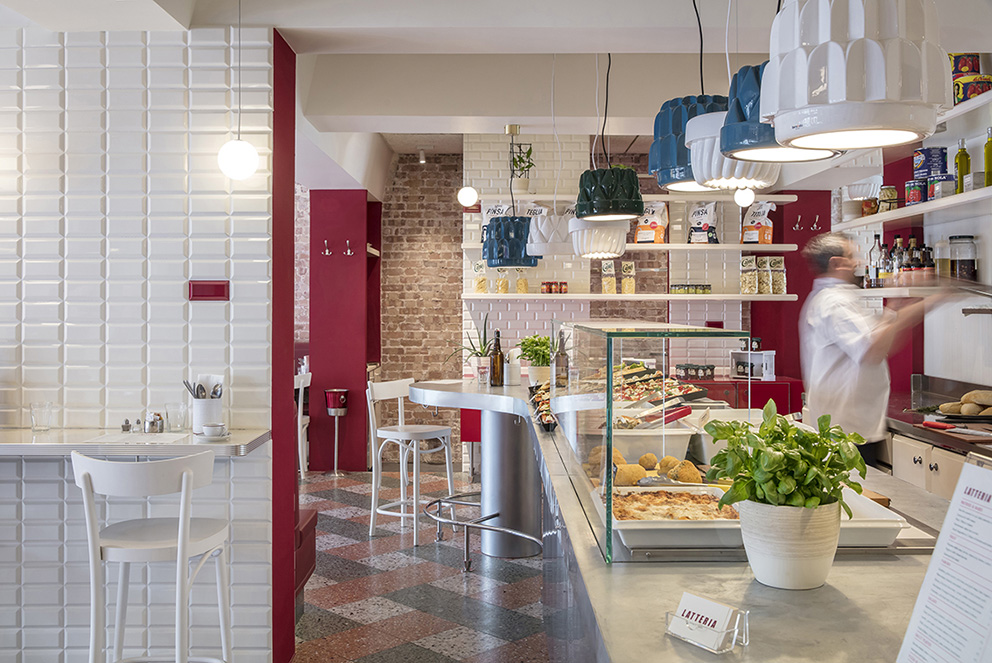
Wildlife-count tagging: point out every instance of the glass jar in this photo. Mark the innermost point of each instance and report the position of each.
(942, 258)
(964, 258)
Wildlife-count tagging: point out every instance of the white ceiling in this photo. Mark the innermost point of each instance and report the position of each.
(429, 143)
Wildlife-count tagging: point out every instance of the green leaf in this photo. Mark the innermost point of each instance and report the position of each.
(786, 485)
(823, 424)
(738, 492)
(812, 502)
(847, 509)
(795, 499)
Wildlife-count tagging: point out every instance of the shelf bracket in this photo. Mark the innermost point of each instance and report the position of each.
(976, 311)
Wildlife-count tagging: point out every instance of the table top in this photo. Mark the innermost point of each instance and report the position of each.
(107, 442)
(468, 395)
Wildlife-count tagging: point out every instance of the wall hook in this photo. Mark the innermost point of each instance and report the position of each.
(798, 225)
(327, 251)
(348, 251)
(816, 224)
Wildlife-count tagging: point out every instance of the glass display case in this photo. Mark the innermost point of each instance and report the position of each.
(625, 425)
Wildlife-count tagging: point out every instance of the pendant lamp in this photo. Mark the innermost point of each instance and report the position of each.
(744, 137)
(669, 158)
(870, 187)
(598, 240)
(238, 159)
(609, 194)
(712, 169)
(852, 74)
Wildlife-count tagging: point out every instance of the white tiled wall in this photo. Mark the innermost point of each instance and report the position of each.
(110, 200)
(44, 568)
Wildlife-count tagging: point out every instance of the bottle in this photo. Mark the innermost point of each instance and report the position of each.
(496, 364)
(885, 271)
(559, 363)
(962, 166)
(915, 265)
(929, 267)
(942, 258)
(897, 256)
(988, 157)
(874, 264)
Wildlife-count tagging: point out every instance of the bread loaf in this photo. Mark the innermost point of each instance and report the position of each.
(987, 412)
(971, 408)
(979, 396)
(950, 408)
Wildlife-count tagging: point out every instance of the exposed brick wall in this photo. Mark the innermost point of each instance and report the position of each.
(422, 280)
(302, 289)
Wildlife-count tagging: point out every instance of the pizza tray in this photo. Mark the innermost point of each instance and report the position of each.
(872, 526)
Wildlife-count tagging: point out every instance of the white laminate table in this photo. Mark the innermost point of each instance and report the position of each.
(511, 481)
(109, 442)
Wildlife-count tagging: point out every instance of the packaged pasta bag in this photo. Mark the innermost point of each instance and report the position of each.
(756, 227)
(652, 228)
(764, 276)
(702, 223)
(749, 276)
(502, 281)
(609, 278)
(480, 284)
(627, 277)
(777, 266)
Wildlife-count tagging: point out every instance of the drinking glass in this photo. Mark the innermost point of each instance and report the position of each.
(175, 414)
(483, 376)
(41, 416)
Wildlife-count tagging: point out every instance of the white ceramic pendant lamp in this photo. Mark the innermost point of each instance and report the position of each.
(712, 169)
(851, 74)
(238, 159)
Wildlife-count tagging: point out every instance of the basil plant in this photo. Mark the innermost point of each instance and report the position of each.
(786, 465)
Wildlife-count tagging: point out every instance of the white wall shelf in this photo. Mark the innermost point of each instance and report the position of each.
(897, 292)
(965, 107)
(599, 297)
(371, 251)
(942, 210)
(746, 248)
(716, 196)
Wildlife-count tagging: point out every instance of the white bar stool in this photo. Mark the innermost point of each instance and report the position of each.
(407, 437)
(301, 382)
(176, 540)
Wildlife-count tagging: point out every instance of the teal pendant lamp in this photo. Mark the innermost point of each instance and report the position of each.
(745, 138)
(669, 159)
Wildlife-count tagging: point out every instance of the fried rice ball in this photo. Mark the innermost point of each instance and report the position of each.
(648, 461)
(629, 475)
(667, 463)
(685, 472)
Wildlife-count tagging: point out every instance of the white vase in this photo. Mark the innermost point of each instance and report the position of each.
(538, 375)
(790, 547)
(520, 185)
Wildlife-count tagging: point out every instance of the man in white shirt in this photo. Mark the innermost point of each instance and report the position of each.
(843, 347)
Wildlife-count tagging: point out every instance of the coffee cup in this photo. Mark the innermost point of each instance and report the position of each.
(214, 430)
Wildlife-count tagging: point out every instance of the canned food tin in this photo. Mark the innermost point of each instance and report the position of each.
(967, 86)
(563, 287)
(940, 186)
(553, 287)
(916, 192)
(544, 287)
(929, 161)
(965, 63)
(888, 199)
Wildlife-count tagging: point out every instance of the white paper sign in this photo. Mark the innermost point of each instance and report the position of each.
(952, 620)
(703, 622)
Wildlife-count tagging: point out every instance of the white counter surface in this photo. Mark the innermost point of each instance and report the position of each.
(108, 442)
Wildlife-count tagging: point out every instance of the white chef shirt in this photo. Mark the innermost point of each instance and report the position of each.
(834, 335)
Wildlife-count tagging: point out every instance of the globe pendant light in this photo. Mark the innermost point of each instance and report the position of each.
(238, 159)
(669, 158)
(712, 169)
(744, 137)
(853, 74)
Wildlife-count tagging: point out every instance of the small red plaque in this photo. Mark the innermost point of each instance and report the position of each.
(474, 209)
(210, 291)
(715, 324)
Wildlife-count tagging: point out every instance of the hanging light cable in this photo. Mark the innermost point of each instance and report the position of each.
(238, 159)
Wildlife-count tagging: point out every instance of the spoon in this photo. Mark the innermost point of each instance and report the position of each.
(216, 391)
(201, 391)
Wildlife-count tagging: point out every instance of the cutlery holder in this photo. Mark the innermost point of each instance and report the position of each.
(206, 411)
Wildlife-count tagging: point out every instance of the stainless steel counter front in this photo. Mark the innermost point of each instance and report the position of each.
(104, 442)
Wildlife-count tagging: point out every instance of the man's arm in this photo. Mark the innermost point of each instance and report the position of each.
(884, 337)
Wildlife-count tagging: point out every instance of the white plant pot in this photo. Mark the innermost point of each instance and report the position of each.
(790, 547)
(538, 375)
(520, 185)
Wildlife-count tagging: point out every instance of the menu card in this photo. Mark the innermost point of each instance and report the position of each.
(703, 622)
(952, 620)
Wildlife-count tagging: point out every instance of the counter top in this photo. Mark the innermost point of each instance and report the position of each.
(106, 442)
(905, 423)
(468, 395)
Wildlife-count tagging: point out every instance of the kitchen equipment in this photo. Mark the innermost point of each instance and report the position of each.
(964, 258)
(175, 416)
(951, 428)
(154, 423)
(217, 391)
(214, 430)
(41, 416)
(336, 401)
(189, 388)
(206, 411)
(200, 392)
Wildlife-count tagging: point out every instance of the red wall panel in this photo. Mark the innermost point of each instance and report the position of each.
(338, 324)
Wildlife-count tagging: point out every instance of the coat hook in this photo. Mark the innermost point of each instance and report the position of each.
(816, 224)
(348, 251)
(798, 226)
(327, 251)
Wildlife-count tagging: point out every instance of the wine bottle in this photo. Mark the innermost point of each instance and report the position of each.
(962, 166)
(988, 157)
(559, 363)
(496, 363)
(874, 263)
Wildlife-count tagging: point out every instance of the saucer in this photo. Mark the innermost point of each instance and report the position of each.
(200, 437)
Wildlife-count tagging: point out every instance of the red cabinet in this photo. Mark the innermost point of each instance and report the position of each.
(786, 392)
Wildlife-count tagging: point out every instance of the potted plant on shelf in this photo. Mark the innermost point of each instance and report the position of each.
(788, 484)
(520, 167)
(537, 350)
(477, 350)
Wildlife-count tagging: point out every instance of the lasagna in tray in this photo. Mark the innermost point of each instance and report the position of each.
(669, 505)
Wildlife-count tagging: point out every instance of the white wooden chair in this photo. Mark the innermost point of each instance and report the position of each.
(178, 540)
(301, 382)
(407, 437)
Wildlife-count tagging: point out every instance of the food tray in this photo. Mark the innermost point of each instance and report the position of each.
(671, 440)
(872, 525)
(965, 418)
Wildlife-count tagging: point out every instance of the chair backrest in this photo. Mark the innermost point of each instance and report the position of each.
(301, 381)
(143, 478)
(384, 391)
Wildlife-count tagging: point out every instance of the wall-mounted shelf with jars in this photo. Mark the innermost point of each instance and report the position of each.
(941, 210)
(597, 297)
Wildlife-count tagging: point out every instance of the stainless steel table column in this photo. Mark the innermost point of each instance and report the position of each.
(511, 482)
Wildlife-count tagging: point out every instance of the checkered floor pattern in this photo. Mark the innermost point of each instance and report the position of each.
(383, 600)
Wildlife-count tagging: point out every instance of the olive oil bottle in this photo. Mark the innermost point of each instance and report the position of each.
(962, 167)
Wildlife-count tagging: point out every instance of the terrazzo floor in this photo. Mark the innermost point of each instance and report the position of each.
(383, 600)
